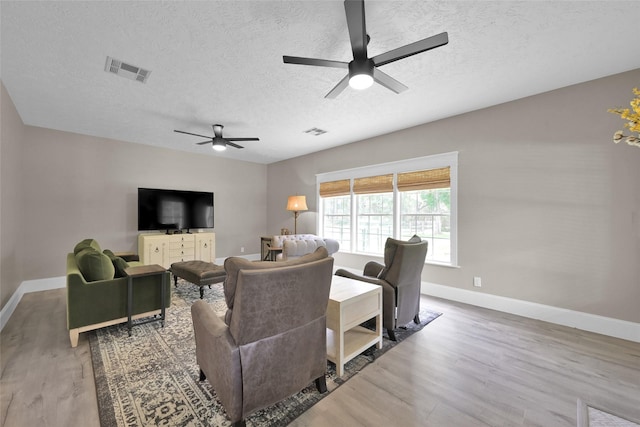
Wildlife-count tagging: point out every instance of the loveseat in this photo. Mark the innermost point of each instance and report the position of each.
(97, 290)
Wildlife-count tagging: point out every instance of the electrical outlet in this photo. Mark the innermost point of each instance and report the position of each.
(242, 249)
(477, 282)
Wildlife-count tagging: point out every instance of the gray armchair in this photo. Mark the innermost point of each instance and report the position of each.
(272, 341)
(400, 280)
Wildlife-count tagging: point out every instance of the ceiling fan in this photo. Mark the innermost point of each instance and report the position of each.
(363, 71)
(218, 143)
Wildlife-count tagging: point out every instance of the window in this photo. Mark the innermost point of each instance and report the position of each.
(374, 214)
(362, 207)
(336, 206)
(427, 213)
(374, 221)
(425, 210)
(337, 220)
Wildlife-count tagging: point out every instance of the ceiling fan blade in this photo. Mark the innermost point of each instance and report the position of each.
(411, 49)
(204, 142)
(357, 27)
(234, 145)
(388, 81)
(314, 61)
(194, 134)
(242, 139)
(337, 90)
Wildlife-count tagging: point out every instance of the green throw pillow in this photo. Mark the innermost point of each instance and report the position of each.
(86, 243)
(119, 264)
(95, 265)
(109, 253)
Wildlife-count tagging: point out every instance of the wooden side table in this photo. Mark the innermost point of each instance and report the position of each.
(352, 302)
(141, 271)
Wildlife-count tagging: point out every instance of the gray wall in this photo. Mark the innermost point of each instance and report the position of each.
(549, 207)
(59, 188)
(11, 154)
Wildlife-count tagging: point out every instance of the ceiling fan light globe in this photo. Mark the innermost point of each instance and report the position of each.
(218, 146)
(360, 81)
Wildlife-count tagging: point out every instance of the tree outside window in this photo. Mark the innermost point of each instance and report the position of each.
(427, 213)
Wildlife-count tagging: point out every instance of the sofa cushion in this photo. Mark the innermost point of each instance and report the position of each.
(233, 265)
(297, 248)
(95, 265)
(119, 265)
(109, 253)
(86, 243)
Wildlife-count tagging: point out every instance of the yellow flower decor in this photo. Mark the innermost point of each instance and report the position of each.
(633, 121)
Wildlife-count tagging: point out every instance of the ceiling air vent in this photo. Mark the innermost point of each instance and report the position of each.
(125, 70)
(315, 131)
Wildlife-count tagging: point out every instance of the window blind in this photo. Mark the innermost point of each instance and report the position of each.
(424, 180)
(373, 184)
(335, 188)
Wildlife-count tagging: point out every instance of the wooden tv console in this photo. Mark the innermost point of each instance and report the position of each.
(165, 249)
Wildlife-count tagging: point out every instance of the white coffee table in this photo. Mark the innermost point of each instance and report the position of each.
(352, 302)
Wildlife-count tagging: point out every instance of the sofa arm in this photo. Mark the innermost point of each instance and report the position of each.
(332, 245)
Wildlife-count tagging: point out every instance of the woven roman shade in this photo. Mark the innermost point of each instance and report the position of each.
(424, 180)
(373, 184)
(335, 188)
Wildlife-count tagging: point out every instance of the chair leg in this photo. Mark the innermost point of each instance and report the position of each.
(240, 423)
(202, 376)
(175, 280)
(201, 293)
(321, 384)
(392, 335)
(416, 319)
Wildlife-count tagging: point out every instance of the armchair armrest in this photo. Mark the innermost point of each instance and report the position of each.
(350, 275)
(218, 357)
(373, 269)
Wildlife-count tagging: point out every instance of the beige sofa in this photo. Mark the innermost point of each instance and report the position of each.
(297, 245)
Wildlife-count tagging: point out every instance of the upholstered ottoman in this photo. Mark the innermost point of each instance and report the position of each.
(199, 273)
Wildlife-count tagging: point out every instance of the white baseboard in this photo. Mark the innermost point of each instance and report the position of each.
(561, 316)
(25, 287)
(574, 319)
(57, 283)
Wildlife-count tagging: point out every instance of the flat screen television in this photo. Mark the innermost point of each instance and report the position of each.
(177, 210)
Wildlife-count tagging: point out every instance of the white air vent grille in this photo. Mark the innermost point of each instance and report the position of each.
(125, 70)
(315, 131)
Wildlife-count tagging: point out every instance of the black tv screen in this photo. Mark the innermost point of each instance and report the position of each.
(174, 209)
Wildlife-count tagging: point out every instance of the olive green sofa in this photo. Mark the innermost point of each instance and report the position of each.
(98, 298)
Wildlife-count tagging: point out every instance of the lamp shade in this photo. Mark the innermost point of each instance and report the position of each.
(297, 203)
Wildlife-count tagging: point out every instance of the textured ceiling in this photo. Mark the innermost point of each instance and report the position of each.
(221, 62)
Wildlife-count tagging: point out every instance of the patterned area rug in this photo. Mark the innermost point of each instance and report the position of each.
(151, 378)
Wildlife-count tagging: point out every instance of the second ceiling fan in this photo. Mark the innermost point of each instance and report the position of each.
(217, 142)
(363, 71)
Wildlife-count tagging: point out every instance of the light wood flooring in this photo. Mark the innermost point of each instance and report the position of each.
(470, 367)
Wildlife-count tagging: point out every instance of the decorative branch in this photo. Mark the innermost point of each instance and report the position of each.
(633, 121)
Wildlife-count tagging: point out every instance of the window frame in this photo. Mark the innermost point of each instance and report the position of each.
(419, 163)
